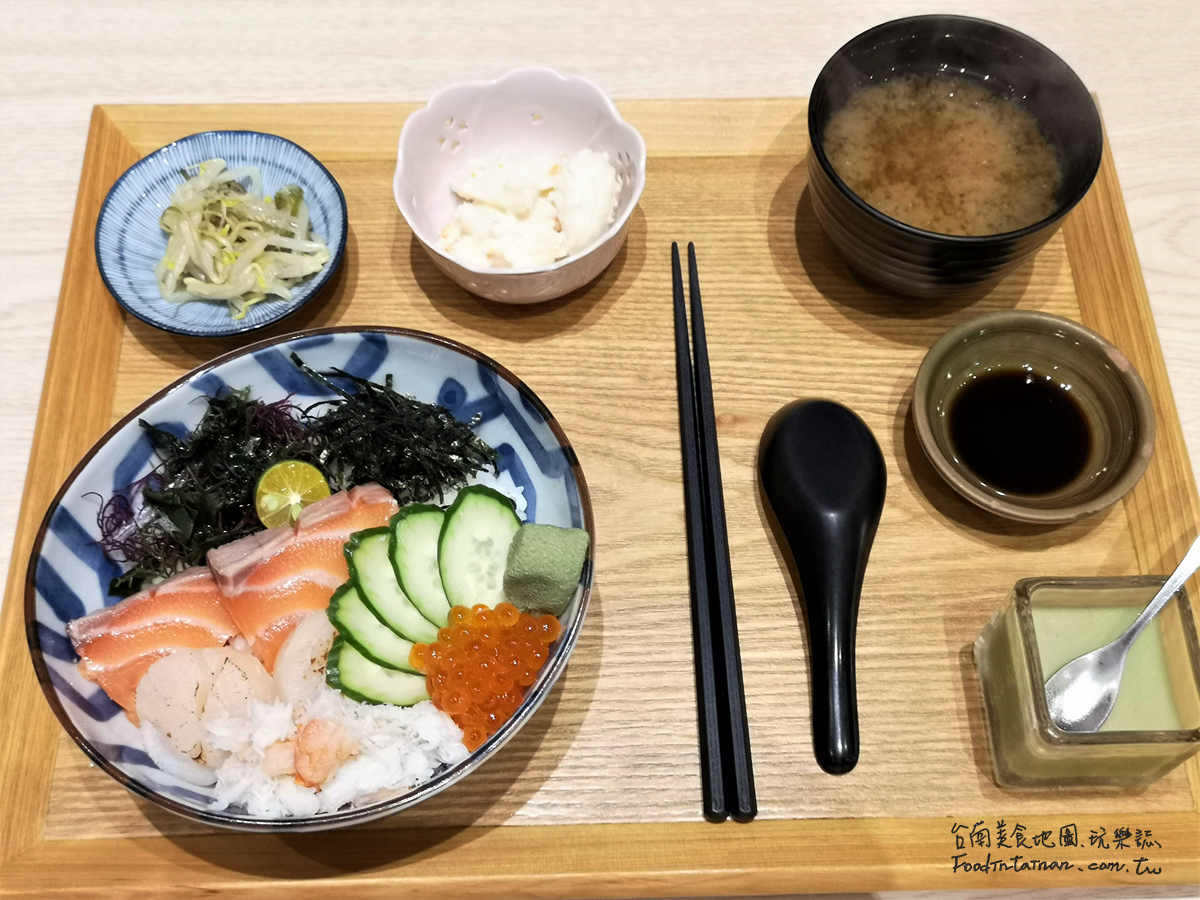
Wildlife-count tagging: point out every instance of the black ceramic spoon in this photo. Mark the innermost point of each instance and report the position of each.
(823, 474)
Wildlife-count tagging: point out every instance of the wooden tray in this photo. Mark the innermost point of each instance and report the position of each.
(602, 789)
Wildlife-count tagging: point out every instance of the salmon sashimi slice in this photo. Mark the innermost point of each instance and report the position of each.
(270, 580)
(116, 645)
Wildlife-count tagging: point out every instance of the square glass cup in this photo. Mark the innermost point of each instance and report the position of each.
(1028, 749)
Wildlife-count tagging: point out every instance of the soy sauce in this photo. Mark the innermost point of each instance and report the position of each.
(1020, 432)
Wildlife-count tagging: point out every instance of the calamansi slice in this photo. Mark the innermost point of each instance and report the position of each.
(285, 489)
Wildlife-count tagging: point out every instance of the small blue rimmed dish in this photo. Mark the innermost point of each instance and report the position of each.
(129, 242)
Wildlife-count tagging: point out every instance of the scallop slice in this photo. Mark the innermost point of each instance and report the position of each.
(237, 678)
(183, 689)
(171, 698)
(300, 665)
(172, 761)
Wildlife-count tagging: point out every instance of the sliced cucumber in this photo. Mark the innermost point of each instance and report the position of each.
(414, 552)
(358, 678)
(371, 571)
(473, 546)
(359, 626)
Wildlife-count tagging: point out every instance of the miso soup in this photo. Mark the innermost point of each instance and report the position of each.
(945, 154)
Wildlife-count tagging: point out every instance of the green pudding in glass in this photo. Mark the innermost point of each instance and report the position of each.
(1047, 623)
(1145, 702)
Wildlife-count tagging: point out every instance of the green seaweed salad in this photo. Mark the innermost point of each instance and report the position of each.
(200, 495)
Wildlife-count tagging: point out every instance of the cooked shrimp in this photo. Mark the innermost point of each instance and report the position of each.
(321, 746)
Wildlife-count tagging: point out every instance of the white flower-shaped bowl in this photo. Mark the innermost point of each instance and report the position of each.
(532, 109)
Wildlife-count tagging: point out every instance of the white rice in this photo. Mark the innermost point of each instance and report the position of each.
(397, 749)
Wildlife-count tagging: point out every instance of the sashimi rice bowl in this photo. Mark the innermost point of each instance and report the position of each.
(313, 582)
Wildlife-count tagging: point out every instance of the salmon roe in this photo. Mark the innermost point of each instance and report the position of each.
(482, 661)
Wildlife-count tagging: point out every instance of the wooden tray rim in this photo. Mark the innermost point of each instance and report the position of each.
(597, 859)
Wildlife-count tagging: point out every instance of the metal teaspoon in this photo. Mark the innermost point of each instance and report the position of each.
(1081, 694)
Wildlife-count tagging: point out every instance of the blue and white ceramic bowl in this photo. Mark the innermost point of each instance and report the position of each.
(129, 241)
(68, 572)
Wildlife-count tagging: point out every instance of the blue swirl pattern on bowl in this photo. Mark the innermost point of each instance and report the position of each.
(68, 572)
(129, 241)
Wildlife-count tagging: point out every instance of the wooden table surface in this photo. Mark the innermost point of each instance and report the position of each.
(59, 60)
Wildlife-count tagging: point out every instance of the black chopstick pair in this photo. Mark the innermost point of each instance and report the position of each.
(727, 774)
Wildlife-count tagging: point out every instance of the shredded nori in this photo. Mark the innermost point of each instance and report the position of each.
(372, 433)
(201, 494)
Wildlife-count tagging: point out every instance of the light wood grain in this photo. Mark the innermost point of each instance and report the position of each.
(86, 332)
(71, 54)
(606, 774)
(564, 861)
